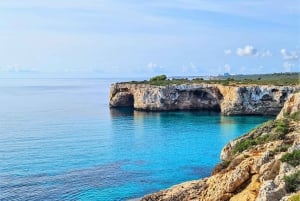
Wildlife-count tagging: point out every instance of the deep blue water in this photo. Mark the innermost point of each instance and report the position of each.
(60, 141)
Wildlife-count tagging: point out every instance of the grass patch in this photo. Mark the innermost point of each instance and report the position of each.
(292, 158)
(295, 197)
(292, 182)
(295, 116)
(282, 148)
(281, 128)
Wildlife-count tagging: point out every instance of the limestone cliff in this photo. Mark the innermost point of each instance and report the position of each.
(230, 100)
(263, 165)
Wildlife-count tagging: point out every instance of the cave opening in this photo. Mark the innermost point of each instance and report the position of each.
(122, 100)
(205, 100)
(128, 100)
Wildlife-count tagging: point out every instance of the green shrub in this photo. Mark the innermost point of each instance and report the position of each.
(281, 128)
(292, 158)
(282, 148)
(292, 182)
(262, 139)
(158, 78)
(243, 145)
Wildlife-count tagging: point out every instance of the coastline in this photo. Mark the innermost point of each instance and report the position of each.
(252, 173)
(228, 100)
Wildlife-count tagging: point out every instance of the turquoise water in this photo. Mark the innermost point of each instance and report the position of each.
(60, 141)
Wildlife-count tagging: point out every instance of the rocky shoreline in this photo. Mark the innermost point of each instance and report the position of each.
(229, 100)
(263, 165)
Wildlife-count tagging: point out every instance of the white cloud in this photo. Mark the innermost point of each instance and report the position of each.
(265, 53)
(151, 65)
(227, 68)
(227, 52)
(154, 68)
(292, 55)
(288, 66)
(248, 50)
(16, 68)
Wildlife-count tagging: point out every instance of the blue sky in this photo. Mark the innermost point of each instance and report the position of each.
(144, 38)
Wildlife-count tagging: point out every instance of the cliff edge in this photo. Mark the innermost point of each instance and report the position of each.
(263, 165)
(229, 100)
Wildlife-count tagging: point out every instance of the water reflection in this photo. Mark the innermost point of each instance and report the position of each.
(121, 112)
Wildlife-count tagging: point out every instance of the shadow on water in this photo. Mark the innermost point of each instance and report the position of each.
(71, 184)
(121, 112)
(129, 111)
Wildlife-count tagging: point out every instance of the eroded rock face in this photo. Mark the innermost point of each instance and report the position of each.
(254, 100)
(255, 174)
(177, 97)
(292, 106)
(230, 100)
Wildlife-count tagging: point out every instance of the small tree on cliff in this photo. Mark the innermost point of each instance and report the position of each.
(158, 78)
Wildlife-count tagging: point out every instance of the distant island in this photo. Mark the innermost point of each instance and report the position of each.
(231, 95)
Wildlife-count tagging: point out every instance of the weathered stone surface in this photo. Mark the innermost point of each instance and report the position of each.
(230, 100)
(226, 152)
(292, 106)
(237, 177)
(250, 192)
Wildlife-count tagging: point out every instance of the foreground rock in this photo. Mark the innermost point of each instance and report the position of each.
(254, 167)
(230, 100)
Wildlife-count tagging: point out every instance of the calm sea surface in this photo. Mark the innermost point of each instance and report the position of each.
(60, 141)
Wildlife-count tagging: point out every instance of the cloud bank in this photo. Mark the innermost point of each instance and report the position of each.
(248, 50)
(289, 55)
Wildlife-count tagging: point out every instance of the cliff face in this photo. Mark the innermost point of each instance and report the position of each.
(263, 165)
(230, 100)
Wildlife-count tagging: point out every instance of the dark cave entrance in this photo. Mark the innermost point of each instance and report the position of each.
(199, 99)
(127, 100)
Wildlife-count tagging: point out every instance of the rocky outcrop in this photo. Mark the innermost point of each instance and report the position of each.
(292, 107)
(252, 167)
(230, 100)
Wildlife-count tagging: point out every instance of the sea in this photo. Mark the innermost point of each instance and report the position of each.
(59, 140)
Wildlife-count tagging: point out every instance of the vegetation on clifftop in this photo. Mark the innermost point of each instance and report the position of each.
(278, 79)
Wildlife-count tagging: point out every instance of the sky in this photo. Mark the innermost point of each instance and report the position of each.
(145, 38)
